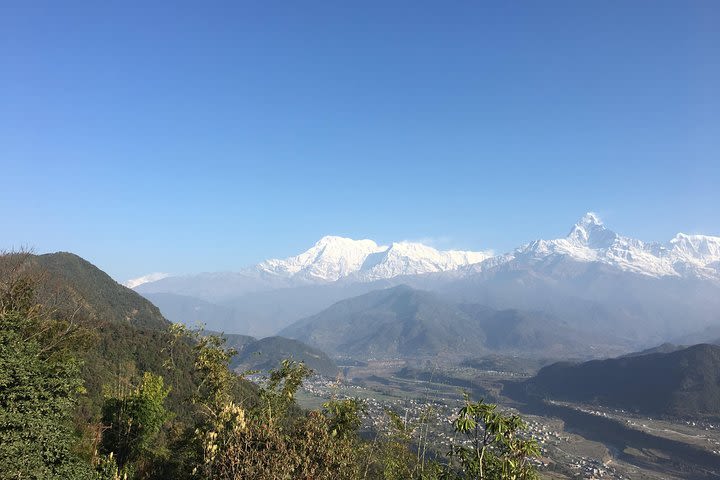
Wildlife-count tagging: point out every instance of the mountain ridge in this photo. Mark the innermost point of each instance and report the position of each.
(405, 322)
(670, 381)
(591, 279)
(335, 258)
(590, 241)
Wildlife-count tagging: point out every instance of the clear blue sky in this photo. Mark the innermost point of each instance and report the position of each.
(204, 136)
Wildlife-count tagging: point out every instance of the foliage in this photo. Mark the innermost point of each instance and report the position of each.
(402, 452)
(38, 391)
(106, 468)
(271, 438)
(344, 416)
(133, 420)
(498, 450)
(279, 395)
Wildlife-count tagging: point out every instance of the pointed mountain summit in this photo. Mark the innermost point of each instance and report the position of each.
(589, 240)
(591, 232)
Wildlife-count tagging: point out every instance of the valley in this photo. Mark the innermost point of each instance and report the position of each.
(577, 440)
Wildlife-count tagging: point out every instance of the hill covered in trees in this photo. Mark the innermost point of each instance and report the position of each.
(80, 284)
(683, 382)
(269, 352)
(116, 333)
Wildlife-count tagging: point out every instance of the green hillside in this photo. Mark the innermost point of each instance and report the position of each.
(123, 334)
(101, 297)
(267, 354)
(404, 322)
(398, 321)
(683, 382)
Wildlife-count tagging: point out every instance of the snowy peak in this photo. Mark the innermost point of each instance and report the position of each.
(590, 241)
(333, 258)
(150, 277)
(591, 232)
(588, 221)
(330, 259)
(697, 247)
(409, 258)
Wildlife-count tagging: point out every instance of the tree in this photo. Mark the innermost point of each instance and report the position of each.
(38, 389)
(133, 420)
(498, 450)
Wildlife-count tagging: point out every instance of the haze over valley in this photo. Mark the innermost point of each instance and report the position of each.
(591, 286)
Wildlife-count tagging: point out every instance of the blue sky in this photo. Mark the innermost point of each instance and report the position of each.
(204, 136)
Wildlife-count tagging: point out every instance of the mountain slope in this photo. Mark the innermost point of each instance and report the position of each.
(397, 321)
(100, 296)
(682, 382)
(124, 334)
(268, 353)
(594, 296)
(534, 333)
(406, 322)
(195, 312)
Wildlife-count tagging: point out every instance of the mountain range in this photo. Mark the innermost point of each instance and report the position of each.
(591, 280)
(335, 258)
(331, 259)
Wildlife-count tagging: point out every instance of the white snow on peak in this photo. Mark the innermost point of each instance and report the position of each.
(702, 248)
(333, 258)
(409, 258)
(150, 277)
(590, 241)
(694, 254)
(591, 232)
(330, 259)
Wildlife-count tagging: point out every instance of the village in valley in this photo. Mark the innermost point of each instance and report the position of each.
(427, 409)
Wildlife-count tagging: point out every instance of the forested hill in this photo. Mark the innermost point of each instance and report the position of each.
(406, 322)
(100, 296)
(684, 382)
(267, 354)
(121, 335)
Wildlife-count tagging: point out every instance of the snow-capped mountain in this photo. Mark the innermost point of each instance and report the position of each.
(333, 258)
(407, 258)
(593, 279)
(330, 259)
(590, 241)
(150, 277)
